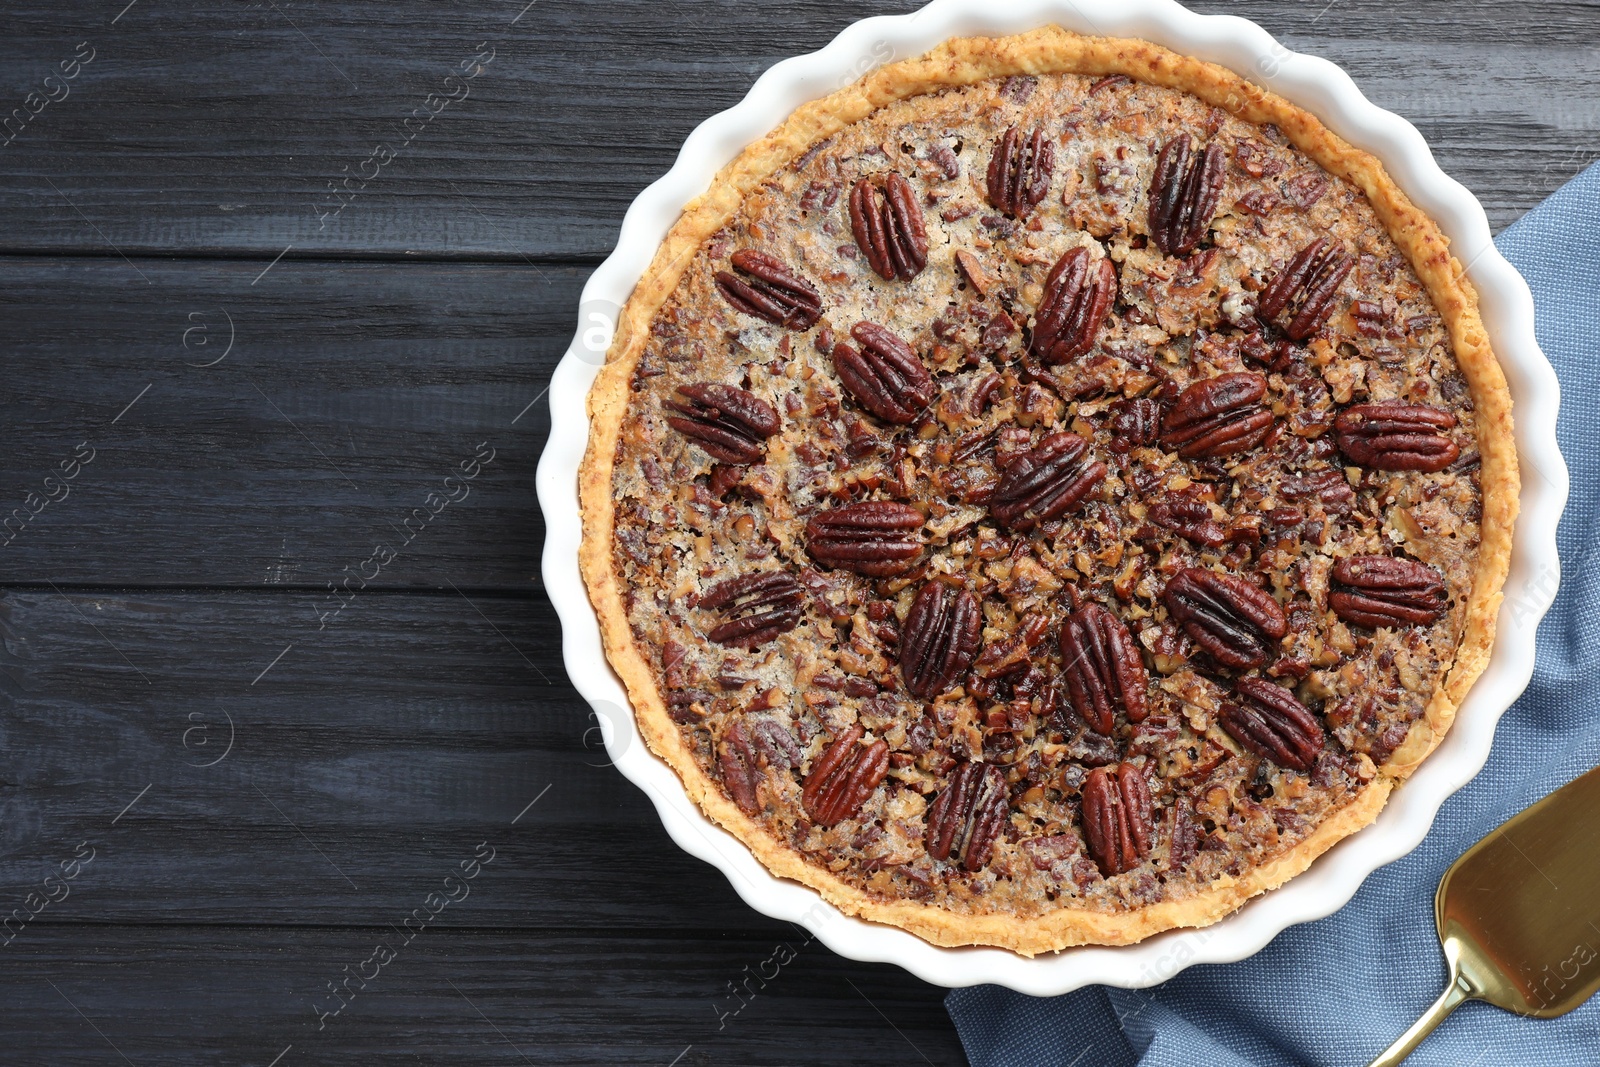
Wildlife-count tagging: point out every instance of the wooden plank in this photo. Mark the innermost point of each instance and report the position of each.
(369, 761)
(366, 758)
(210, 995)
(351, 392)
(219, 130)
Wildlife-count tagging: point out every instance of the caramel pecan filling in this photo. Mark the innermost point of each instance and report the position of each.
(1050, 493)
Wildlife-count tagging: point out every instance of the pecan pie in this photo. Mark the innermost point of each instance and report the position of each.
(1048, 492)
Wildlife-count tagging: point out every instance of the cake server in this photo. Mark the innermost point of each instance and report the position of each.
(1519, 917)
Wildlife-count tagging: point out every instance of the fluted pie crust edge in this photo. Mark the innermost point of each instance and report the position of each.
(964, 61)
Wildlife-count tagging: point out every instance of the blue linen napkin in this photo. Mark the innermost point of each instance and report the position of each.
(1339, 990)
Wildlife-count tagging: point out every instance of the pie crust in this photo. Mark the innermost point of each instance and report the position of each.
(967, 62)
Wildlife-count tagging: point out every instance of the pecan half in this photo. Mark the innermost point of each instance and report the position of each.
(769, 290)
(1184, 195)
(729, 423)
(755, 607)
(844, 777)
(1218, 417)
(1269, 721)
(1395, 436)
(877, 538)
(968, 816)
(939, 639)
(1019, 171)
(1300, 297)
(1381, 591)
(1226, 615)
(884, 375)
(889, 228)
(1103, 668)
(1116, 817)
(741, 775)
(1045, 482)
(1076, 299)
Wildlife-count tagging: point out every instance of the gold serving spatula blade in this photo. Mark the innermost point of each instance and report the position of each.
(1519, 915)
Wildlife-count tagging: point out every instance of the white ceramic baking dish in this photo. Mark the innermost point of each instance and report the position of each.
(1314, 84)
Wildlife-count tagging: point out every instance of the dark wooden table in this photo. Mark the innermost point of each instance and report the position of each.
(278, 683)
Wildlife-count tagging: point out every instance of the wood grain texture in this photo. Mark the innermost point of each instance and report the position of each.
(177, 195)
(219, 127)
(351, 391)
(369, 754)
(243, 994)
(366, 762)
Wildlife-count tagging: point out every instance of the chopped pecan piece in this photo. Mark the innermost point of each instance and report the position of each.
(943, 157)
(1103, 667)
(1395, 436)
(884, 375)
(968, 816)
(1184, 194)
(877, 538)
(755, 607)
(1019, 171)
(729, 423)
(1018, 87)
(1304, 190)
(769, 290)
(724, 477)
(1370, 316)
(1182, 846)
(1045, 482)
(996, 332)
(1108, 81)
(1300, 297)
(688, 706)
(1076, 299)
(1378, 591)
(888, 226)
(1218, 417)
(1269, 721)
(1227, 615)
(776, 743)
(1189, 518)
(1256, 202)
(973, 270)
(1116, 817)
(844, 777)
(1273, 355)
(1134, 422)
(939, 639)
(1013, 653)
(741, 775)
(1327, 487)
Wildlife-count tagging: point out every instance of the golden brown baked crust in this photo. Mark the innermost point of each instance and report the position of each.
(965, 62)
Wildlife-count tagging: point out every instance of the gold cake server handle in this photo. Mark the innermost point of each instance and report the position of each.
(1457, 993)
